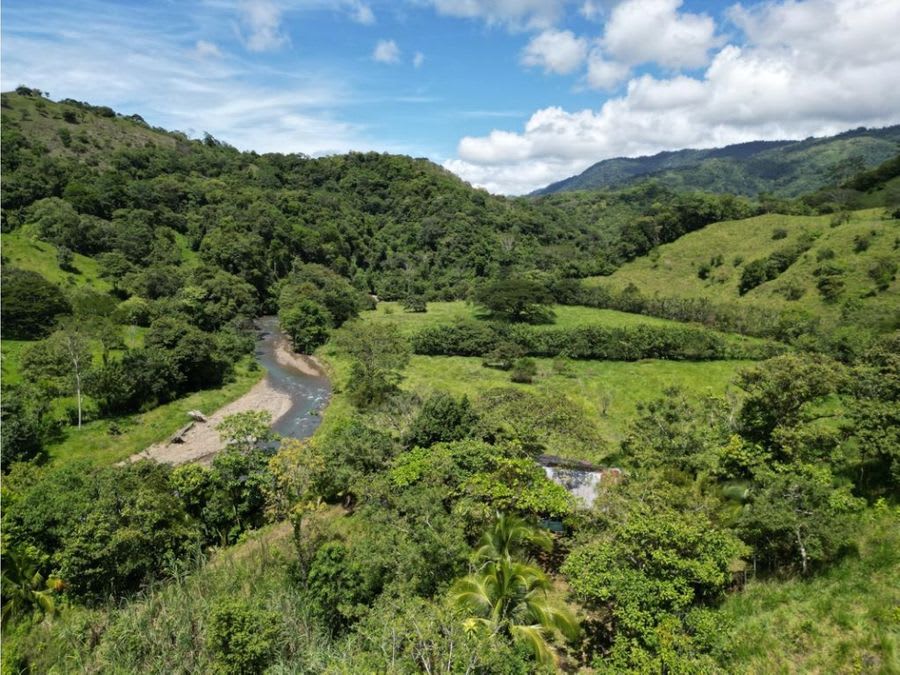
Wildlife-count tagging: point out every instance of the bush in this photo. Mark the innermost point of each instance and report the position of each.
(779, 233)
(765, 269)
(415, 304)
(503, 356)
(441, 419)
(524, 371)
(242, 639)
(883, 273)
(861, 242)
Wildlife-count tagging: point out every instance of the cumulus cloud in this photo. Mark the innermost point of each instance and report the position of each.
(602, 73)
(556, 51)
(261, 25)
(513, 14)
(796, 74)
(641, 31)
(386, 51)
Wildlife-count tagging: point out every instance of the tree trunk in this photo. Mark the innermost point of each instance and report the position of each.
(803, 555)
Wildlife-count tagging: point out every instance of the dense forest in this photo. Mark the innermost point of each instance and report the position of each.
(749, 450)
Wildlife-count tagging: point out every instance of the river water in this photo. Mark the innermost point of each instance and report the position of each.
(309, 393)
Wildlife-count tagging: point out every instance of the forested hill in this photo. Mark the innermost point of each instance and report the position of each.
(386, 222)
(782, 168)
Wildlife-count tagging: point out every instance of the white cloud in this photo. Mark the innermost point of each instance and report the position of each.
(261, 22)
(360, 12)
(592, 10)
(556, 51)
(604, 74)
(642, 31)
(796, 75)
(513, 14)
(418, 59)
(386, 51)
(205, 49)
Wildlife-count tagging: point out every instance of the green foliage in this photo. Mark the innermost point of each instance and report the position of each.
(520, 300)
(523, 371)
(242, 639)
(26, 592)
(648, 574)
(22, 426)
(441, 419)
(883, 272)
(30, 304)
(307, 323)
(415, 304)
(797, 517)
(106, 531)
(378, 352)
(771, 267)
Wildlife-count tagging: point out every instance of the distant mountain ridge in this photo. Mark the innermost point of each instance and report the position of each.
(782, 168)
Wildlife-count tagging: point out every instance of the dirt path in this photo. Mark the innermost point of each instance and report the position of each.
(202, 442)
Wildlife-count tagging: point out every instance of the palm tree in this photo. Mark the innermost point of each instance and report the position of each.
(509, 598)
(25, 589)
(509, 538)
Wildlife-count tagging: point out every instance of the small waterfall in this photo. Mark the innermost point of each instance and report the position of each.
(582, 484)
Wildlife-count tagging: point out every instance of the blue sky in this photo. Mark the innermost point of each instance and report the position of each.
(509, 94)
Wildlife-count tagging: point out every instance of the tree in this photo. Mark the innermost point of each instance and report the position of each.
(798, 516)
(377, 353)
(29, 304)
(308, 323)
(415, 304)
(781, 390)
(63, 360)
(508, 598)
(515, 300)
(644, 576)
(25, 590)
(441, 419)
(509, 537)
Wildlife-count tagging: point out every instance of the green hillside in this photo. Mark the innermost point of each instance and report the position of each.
(854, 250)
(783, 168)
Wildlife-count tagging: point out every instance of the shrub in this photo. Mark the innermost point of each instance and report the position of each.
(703, 271)
(415, 304)
(883, 273)
(779, 233)
(861, 242)
(441, 419)
(502, 356)
(824, 254)
(523, 371)
(242, 639)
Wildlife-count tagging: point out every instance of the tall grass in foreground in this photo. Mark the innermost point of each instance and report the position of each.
(844, 620)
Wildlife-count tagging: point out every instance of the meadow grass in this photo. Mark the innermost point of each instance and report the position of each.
(846, 619)
(31, 254)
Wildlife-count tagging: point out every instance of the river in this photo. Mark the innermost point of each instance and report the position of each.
(309, 394)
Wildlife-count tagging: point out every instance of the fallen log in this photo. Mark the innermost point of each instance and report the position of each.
(179, 435)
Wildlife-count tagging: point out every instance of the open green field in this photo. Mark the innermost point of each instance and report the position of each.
(29, 253)
(607, 391)
(95, 443)
(672, 270)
